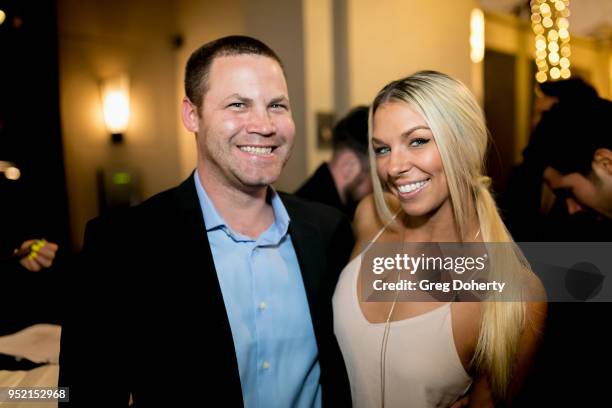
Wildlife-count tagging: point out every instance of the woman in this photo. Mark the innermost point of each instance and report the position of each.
(428, 142)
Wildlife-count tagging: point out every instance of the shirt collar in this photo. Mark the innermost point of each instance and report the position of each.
(214, 220)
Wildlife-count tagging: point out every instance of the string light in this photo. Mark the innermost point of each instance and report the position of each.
(552, 49)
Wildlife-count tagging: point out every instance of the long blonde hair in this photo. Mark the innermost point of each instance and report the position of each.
(458, 126)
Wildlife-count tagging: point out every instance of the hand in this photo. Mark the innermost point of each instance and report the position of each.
(479, 396)
(39, 254)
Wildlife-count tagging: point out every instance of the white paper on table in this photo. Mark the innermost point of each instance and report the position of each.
(39, 343)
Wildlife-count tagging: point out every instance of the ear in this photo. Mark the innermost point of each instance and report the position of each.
(190, 116)
(603, 159)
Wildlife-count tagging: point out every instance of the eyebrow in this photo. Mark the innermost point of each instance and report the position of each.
(404, 134)
(239, 97)
(281, 98)
(409, 131)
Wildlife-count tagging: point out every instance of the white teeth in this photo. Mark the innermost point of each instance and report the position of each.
(407, 188)
(256, 150)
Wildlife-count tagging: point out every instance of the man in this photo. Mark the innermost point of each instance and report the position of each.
(560, 129)
(591, 192)
(576, 200)
(574, 155)
(345, 180)
(217, 292)
(573, 90)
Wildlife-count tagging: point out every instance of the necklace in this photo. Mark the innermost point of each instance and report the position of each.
(383, 347)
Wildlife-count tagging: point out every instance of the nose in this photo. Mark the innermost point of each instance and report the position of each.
(260, 122)
(399, 163)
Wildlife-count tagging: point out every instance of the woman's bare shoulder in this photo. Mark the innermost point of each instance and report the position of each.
(367, 222)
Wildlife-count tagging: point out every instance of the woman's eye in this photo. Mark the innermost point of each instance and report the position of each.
(419, 141)
(381, 150)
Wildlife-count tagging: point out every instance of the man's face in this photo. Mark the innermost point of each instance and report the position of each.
(580, 193)
(244, 130)
(361, 185)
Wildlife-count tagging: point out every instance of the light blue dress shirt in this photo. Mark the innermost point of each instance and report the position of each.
(267, 308)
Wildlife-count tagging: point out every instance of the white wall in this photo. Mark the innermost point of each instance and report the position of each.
(319, 73)
(389, 39)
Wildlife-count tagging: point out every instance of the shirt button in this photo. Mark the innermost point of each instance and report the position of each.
(266, 365)
(263, 306)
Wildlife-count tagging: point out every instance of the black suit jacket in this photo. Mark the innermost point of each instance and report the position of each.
(148, 316)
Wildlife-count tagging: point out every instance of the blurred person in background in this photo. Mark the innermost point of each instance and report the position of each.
(28, 267)
(570, 158)
(525, 198)
(345, 180)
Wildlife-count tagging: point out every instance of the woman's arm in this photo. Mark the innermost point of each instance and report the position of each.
(531, 338)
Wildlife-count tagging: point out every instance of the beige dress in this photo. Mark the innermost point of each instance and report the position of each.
(423, 368)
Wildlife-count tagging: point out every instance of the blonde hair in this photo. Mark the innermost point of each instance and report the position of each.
(458, 126)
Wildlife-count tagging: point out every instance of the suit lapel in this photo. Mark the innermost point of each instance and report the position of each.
(311, 258)
(218, 343)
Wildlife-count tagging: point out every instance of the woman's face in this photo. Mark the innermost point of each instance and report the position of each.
(407, 159)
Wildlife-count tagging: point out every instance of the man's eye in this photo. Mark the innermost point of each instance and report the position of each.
(279, 106)
(419, 141)
(378, 151)
(236, 105)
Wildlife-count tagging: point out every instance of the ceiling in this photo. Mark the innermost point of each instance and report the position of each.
(588, 18)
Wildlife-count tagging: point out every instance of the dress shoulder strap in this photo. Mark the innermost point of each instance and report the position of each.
(379, 233)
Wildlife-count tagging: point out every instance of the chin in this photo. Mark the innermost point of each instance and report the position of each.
(417, 209)
(412, 212)
(258, 180)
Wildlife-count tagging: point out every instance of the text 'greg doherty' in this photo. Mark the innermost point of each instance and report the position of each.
(412, 264)
(425, 285)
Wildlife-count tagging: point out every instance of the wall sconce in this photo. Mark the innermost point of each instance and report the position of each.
(116, 106)
(477, 36)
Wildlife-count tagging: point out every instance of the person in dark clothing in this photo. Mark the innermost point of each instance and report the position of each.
(220, 285)
(28, 267)
(560, 130)
(345, 180)
(576, 202)
(571, 150)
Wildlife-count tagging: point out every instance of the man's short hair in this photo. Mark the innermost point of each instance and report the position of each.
(351, 132)
(571, 90)
(570, 133)
(198, 65)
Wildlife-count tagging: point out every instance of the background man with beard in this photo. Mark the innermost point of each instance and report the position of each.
(345, 180)
(222, 254)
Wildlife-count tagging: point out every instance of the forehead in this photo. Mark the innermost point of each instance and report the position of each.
(395, 116)
(245, 73)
